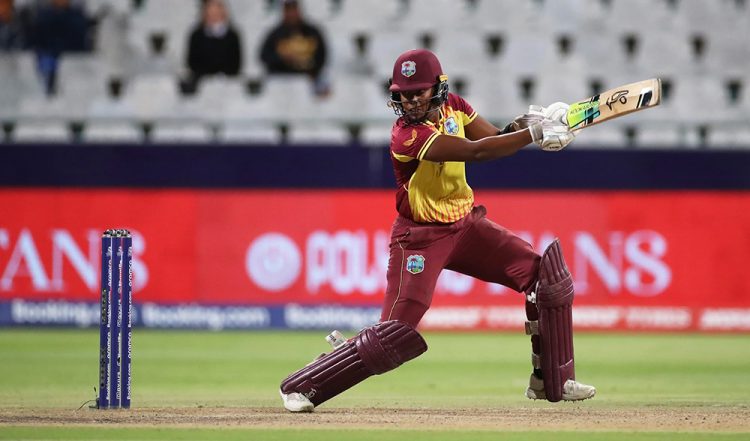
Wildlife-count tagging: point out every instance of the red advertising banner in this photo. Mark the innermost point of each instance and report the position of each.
(659, 260)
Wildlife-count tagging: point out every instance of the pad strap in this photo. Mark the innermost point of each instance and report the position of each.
(536, 361)
(532, 327)
(375, 350)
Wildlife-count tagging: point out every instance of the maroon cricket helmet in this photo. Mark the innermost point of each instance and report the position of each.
(415, 70)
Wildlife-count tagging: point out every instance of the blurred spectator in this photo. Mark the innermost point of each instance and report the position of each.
(59, 27)
(296, 46)
(214, 46)
(13, 27)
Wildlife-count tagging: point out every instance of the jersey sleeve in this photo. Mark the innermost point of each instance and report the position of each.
(468, 114)
(411, 142)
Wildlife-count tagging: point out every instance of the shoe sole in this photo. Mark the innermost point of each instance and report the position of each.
(535, 397)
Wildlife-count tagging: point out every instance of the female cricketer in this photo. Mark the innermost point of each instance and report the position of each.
(439, 227)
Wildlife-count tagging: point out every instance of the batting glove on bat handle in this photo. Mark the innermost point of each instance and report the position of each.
(551, 135)
(556, 111)
(525, 121)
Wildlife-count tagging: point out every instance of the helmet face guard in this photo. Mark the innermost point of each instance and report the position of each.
(416, 116)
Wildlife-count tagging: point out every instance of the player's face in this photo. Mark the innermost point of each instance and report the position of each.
(416, 102)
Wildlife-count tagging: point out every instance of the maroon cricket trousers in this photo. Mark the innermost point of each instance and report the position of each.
(474, 246)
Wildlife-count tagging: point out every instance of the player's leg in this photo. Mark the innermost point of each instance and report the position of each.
(375, 350)
(417, 255)
(553, 298)
(490, 252)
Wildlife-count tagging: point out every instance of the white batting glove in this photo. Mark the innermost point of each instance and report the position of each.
(556, 111)
(524, 121)
(551, 135)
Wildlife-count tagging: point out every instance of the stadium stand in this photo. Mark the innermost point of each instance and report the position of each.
(500, 54)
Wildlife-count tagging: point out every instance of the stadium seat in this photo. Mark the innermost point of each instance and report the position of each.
(151, 22)
(640, 16)
(498, 98)
(350, 54)
(509, 16)
(567, 84)
(728, 52)
(248, 107)
(610, 135)
(710, 17)
(429, 15)
(318, 133)
(213, 97)
(659, 135)
(18, 83)
(111, 108)
(527, 54)
(317, 12)
(368, 15)
(728, 136)
(42, 131)
(249, 13)
(356, 99)
(152, 96)
(81, 80)
(376, 134)
(111, 131)
(238, 131)
(251, 41)
(570, 16)
(181, 132)
(661, 55)
(21, 68)
(287, 97)
(96, 7)
(699, 99)
(463, 54)
(54, 107)
(603, 54)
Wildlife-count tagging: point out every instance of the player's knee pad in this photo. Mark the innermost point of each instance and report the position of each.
(554, 300)
(375, 350)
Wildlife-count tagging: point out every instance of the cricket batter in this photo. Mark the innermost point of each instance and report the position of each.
(438, 226)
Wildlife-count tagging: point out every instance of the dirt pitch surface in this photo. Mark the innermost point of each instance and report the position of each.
(565, 417)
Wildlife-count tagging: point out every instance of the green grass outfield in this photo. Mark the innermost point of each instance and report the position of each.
(52, 371)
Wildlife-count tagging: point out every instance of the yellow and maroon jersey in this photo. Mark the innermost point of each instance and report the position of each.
(431, 191)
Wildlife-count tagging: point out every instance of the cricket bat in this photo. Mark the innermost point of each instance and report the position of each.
(614, 103)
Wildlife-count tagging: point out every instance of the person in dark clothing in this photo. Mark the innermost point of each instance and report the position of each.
(295, 46)
(214, 46)
(59, 27)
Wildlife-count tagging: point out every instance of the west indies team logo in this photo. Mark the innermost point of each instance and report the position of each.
(415, 264)
(408, 68)
(451, 127)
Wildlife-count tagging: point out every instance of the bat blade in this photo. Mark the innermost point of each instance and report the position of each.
(615, 103)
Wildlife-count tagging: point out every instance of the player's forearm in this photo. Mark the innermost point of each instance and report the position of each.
(499, 146)
(452, 148)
